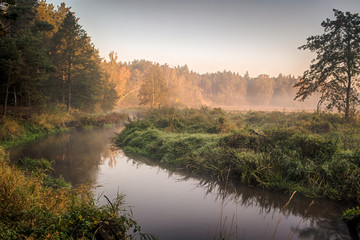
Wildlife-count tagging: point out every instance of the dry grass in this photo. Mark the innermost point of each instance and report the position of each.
(9, 129)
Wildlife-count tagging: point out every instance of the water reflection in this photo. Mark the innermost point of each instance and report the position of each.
(175, 204)
(309, 219)
(77, 155)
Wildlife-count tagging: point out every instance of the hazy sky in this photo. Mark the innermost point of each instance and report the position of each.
(259, 36)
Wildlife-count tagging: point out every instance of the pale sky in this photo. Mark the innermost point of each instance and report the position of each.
(259, 36)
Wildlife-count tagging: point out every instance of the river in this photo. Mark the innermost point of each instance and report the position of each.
(174, 204)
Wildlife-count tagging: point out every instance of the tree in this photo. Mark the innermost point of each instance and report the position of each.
(73, 53)
(154, 91)
(118, 74)
(335, 71)
(260, 90)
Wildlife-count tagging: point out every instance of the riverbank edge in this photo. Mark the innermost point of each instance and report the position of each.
(214, 155)
(166, 146)
(36, 206)
(177, 137)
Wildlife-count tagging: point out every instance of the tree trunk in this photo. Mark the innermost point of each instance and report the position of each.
(6, 96)
(63, 87)
(347, 103)
(348, 87)
(69, 88)
(7, 91)
(15, 98)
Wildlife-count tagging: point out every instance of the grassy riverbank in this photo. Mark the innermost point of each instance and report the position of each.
(15, 130)
(35, 205)
(315, 154)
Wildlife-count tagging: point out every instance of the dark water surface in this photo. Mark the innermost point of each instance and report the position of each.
(174, 205)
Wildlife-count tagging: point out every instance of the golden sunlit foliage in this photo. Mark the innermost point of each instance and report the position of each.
(118, 74)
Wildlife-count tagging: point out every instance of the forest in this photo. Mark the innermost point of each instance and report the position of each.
(48, 60)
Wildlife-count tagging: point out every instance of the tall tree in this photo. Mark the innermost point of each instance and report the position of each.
(79, 67)
(154, 91)
(334, 73)
(68, 44)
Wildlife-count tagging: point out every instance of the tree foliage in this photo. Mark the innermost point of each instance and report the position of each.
(154, 91)
(335, 71)
(118, 74)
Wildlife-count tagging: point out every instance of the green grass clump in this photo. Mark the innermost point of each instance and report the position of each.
(202, 120)
(308, 152)
(142, 138)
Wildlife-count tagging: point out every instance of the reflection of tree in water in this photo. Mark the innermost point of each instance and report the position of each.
(322, 218)
(109, 154)
(77, 155)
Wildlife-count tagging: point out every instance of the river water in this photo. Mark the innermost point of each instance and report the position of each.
(174, 204)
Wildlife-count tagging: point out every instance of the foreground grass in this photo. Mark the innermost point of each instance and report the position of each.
(317, 155)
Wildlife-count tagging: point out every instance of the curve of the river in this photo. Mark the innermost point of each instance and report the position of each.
(173, 204)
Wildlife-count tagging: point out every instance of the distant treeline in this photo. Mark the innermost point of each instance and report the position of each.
(226, 89)
(47, 59)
